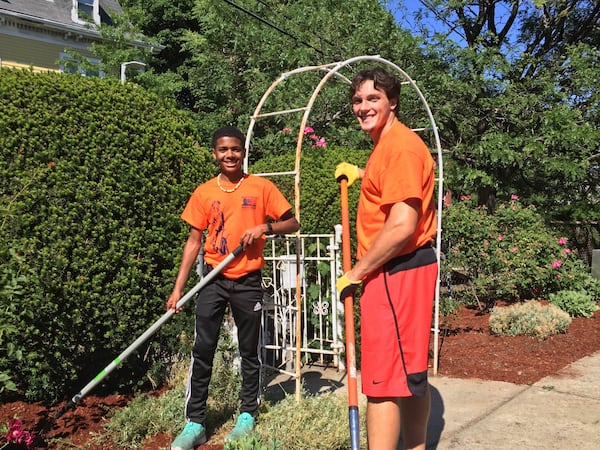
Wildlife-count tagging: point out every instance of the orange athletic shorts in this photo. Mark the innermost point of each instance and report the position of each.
(395, 316)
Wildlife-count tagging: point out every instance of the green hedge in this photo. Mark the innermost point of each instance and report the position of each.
(93, 178)
(320, 207)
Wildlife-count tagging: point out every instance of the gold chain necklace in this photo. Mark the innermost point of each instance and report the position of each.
(233, 188)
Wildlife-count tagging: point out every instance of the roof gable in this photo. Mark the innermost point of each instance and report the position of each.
(56, 12)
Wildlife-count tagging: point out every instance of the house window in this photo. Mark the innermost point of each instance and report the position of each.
(85, 11)
(70, 65)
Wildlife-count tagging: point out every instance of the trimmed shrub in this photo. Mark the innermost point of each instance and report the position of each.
(574, 303)
(93, 176)
(529, 319)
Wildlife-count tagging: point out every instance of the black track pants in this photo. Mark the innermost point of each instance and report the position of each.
(244, 296)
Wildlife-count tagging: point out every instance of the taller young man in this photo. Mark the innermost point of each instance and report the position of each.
(236, 208)
(395, 224)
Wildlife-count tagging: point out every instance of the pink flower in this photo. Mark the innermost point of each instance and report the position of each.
(514, 249)
(562, 241)
(308, 130)
(567, 250)
(500, 237)
(287, 130)
(558, 275)
(314, 137)
(514, 197)
(556, 264)
(321, 143)
(465, 197)
(17, 435)
(14, 430)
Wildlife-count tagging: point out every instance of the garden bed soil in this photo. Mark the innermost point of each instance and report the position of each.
(466, 350)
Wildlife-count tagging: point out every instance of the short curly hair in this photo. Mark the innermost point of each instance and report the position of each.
(228, 131)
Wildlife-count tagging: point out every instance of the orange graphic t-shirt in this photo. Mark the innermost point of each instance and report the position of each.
(227, 215)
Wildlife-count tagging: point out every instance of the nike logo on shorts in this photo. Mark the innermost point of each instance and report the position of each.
(258, 306)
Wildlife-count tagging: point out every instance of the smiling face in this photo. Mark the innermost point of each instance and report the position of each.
(373, 109)
(229, 153)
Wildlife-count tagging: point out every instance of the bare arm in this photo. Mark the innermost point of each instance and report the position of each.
(285, 225)
(397, 230)
(190, 253)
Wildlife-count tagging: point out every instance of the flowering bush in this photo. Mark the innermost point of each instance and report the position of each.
(284, 142)
(310, 139)
(17, 436)
(511, 254)
(288, 139)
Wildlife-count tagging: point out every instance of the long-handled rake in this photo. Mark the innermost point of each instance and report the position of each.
(143, 337)
(349, 322)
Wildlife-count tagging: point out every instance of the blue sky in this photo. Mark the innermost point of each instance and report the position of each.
(404, 11)
(411, 6)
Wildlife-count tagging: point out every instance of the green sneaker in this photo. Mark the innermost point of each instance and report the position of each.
(193, 434)
(243, 427)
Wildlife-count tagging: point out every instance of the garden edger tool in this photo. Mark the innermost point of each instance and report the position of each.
(349, 322)
(144, 336)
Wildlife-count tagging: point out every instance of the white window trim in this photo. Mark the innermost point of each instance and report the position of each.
(75, 13)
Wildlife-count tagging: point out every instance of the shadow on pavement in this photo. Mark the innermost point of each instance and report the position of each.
(313, 382)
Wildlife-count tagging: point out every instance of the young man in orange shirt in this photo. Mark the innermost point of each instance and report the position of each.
(396, 224)
(235, 208)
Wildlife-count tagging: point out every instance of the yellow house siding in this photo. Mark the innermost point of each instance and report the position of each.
(21, 52)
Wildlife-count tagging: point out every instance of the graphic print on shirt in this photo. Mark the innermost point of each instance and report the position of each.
(217, 223)
(249, 202)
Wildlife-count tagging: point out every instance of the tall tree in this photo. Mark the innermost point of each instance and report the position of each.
(528, 116)
(221, 55)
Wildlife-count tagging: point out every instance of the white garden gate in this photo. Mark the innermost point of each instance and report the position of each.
(321, 315)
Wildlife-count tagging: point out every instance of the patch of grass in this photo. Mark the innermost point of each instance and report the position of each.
(252, 442)
(316, 422)
(146, 416)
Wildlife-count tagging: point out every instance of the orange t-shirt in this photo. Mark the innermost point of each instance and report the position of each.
(228, 214)
(400, 167)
